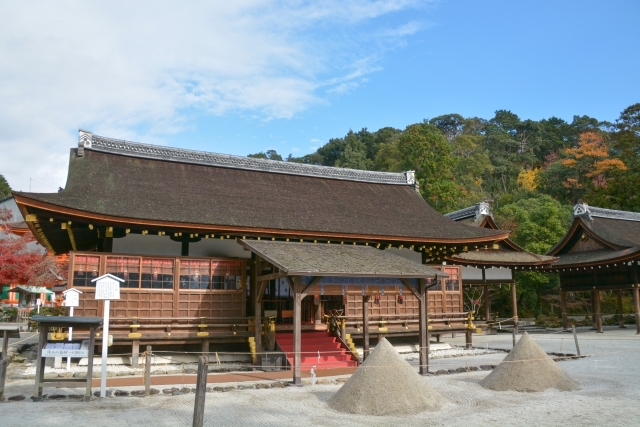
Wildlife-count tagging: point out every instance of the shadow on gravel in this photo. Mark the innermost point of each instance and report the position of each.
(323, 396)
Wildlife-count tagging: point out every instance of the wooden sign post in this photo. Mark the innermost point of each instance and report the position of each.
(107, 289)
(71, 299)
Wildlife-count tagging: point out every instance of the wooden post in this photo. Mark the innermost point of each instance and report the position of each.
(4, 363)
(318, 314)
(620, 310)
(147, 372)
(423, 328)
(343, 329)
(40, 363)
(253, 283)
(593, 311)
(297, 331)
(636, 304)
(598, 314)
(575, 339)
(514, 305)
(258, 321)
(201, 392)
(487, 304)
(205, 347)
(92, 345)
(135, 353)
(635, 288)
(365, 327)
(563, 304)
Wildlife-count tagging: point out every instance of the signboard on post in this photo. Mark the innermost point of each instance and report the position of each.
(107, 288)
(71, 299)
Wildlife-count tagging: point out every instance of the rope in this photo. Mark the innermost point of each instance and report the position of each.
(23, 340)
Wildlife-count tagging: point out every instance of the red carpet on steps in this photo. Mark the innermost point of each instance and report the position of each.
(319, 349)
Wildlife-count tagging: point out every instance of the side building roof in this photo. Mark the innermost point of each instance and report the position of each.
(599, 236)
(503, 253)
(116, 181)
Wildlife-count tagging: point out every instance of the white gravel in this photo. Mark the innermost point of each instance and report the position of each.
(609, 396)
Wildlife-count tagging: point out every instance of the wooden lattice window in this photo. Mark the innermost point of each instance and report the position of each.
(126, 268)
(194, 274)
(226, 275)
(85, 269)
(157, 273)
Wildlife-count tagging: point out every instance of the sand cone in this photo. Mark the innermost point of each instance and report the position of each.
(385, 384)
(528, 368)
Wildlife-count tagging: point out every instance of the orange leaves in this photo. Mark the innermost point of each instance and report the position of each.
(590, 159)
(607, 165)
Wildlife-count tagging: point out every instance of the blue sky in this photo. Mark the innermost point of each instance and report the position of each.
(290, 75)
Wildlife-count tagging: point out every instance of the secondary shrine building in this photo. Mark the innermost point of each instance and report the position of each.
(177, 225)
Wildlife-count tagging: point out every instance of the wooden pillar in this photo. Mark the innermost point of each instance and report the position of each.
(593, 311)
(205, 347)
(253, 285)
(636, 304)
(598, 314)
(135, 353)
(297, 330)
(620, 310)
(635, 288)
(423, 328)
(318, 314)
(487, 304)
(563, 305)
(92, 345)
(4, 363)
(514, 305)
(365, 327)
(185, 246)
(257, 319)
(40, 363)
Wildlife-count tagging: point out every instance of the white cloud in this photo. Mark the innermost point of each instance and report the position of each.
(133, 69)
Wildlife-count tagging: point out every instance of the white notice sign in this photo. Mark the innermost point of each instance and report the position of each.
(72, 297)
(108, 289)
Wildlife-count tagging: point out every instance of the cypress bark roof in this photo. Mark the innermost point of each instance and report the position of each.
(301, 259)
(502, 257)
(598, 236)
(126, 181)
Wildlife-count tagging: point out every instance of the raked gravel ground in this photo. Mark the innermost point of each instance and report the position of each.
(609, 397)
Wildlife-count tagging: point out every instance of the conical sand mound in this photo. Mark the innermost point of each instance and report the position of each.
(528, 368)
(385, 384)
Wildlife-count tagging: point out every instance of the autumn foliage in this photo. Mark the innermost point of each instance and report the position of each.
(20, 264)
(591, 161)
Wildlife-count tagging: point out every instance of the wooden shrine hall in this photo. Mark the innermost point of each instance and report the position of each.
(600, 252)
(491, 265)
(177, 227)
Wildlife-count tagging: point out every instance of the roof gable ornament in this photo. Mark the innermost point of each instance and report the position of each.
(411, 180)
(483, 208)
(582, 210)
(85, 140)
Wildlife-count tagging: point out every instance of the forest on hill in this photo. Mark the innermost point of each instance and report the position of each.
(532, 173)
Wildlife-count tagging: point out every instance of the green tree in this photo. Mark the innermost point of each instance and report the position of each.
(424, 149)
(270, 154)
(5, 190)
(388, 158)
(536, 222)
(354, 154)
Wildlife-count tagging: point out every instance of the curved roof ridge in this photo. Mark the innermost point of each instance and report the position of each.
(588, 212)
(481, 208)
(89, 141)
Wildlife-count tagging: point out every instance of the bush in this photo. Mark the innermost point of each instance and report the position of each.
(11, 313)
(46, 311)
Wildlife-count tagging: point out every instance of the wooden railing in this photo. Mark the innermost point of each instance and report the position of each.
(343, 325)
